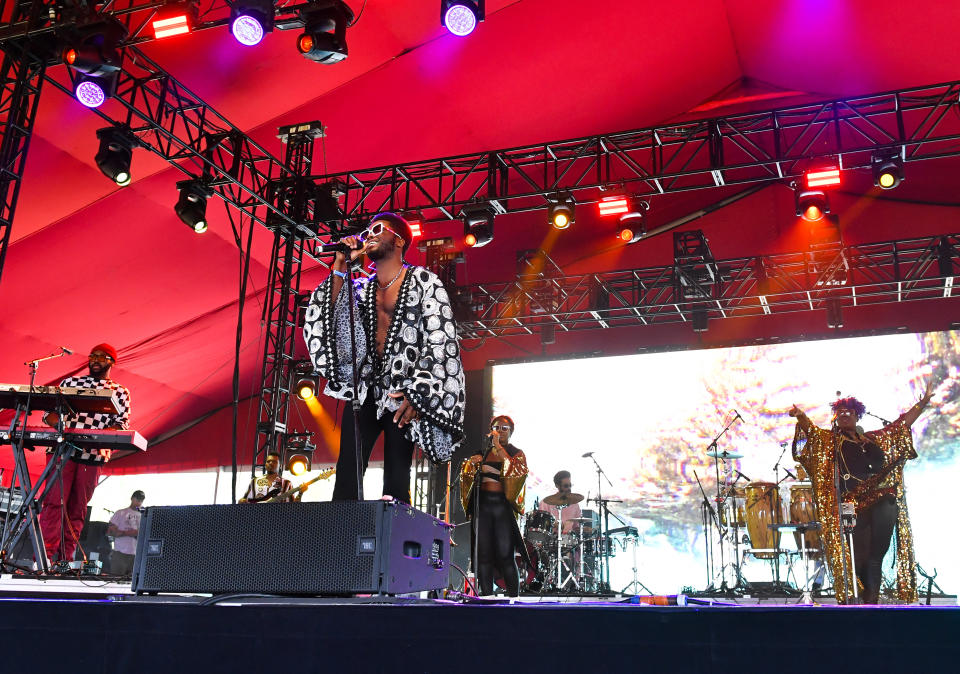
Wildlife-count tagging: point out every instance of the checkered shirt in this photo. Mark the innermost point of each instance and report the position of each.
(97, 420)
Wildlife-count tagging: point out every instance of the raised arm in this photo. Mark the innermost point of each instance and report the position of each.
(912, 414)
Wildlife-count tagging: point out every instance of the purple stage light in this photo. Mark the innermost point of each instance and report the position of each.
(247, 30)
(460, 20)
(90, 94)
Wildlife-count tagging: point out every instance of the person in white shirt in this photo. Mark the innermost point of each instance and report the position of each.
(124, 526)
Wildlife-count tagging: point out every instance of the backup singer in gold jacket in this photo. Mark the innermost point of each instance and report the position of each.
(869, 468)
(500, 496)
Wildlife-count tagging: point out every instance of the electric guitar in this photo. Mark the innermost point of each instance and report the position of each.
(273, 497)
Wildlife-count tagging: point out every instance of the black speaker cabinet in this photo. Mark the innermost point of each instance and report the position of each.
(334, 548)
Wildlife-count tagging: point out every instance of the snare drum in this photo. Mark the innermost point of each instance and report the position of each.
(763, 509)
(541, 528)
(802, 512)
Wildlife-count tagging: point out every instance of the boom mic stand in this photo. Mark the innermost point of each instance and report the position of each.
(721, 501)
(26, 519)
(604, 585)
(355, 376)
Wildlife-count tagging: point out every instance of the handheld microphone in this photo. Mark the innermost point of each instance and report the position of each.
(587, 454)
(741, 475)
(67, 351)
(790, 474)
(738, 416)
(338, 247)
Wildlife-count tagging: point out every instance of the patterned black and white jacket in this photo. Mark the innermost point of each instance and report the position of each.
(421, 355)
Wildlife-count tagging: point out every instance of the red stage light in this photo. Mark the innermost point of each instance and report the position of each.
(613, 205)
(70, 56)
(416, 228)
(822, 178)
(813, 213)
(305, 43)
(470, 240)
(176, 24)
(626, 235)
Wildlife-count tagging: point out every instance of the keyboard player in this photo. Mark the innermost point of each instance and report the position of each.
(63, 512)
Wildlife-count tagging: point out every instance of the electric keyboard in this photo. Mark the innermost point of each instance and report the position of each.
(51, 398)
(83, 439)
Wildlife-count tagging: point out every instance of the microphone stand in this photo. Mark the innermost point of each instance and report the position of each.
(707, 509)
(355, 380)
(27, 516)
(720, 500)
(604, 526)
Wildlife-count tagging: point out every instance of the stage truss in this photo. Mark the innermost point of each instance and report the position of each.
(907, 270)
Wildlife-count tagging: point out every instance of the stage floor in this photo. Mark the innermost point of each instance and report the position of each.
(98, 626)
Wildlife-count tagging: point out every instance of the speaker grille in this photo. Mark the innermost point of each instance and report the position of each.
(282, 548)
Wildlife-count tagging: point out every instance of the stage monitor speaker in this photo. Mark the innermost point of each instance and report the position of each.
(334, 548)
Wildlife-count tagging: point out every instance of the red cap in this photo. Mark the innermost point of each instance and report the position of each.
(107, 349)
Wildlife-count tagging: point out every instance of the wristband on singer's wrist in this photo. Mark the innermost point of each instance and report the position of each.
(341, 274)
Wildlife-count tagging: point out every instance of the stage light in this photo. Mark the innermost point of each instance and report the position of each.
(191, 207)
(90, 91)
(115, 153)
(298, 464)
(478, 224)
(562, 211)
(887, 170)
(175, 18)
(826, 177)
(632, 227)
(306, 388)
(460, 17)
(615, 205)
(811, 205)
(250, 20)
(415, 221)
(325, 24)
(93, 53)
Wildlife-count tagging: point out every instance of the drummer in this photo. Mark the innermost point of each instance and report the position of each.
(564, 495)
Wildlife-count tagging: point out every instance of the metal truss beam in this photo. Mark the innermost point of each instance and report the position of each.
(282, 309)
(922, 123)
(176, 124)
(21, 77)
(876, 273)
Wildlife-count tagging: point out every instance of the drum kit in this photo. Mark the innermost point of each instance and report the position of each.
(755, 515)
(567, 556)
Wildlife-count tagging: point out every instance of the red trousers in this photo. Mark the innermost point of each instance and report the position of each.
(79, 482)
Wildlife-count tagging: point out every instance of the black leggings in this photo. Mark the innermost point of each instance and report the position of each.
(871, 539)
(397, 452)
(495, 543)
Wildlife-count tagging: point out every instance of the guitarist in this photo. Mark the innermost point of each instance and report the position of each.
(270, 483)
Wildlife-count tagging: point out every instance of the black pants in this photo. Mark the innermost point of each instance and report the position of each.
(871, 539)
(495, 544)
(397, 453)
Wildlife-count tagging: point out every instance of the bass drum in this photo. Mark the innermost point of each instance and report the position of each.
(531, 577)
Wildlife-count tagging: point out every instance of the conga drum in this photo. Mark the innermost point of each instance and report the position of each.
(763, 509)
(802, 512)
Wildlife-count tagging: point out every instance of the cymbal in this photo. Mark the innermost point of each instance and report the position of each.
(724, 455)
(563, 499)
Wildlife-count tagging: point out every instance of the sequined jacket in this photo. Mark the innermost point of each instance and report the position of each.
(421, 356)
(816, 450)
(513, 477)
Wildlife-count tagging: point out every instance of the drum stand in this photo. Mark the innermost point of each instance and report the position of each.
(561, 563)
(635, 585)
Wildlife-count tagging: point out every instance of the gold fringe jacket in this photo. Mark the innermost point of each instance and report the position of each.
(816, 448)
(513, 476)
